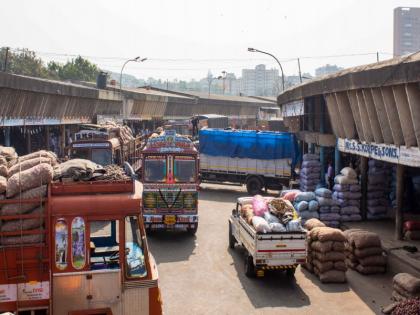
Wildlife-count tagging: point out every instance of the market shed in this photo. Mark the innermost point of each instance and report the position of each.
(373, 112)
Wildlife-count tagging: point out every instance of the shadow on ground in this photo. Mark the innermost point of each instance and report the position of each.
(171, 246)
(276, 289)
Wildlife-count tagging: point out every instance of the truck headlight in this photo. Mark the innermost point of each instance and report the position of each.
(149, 200)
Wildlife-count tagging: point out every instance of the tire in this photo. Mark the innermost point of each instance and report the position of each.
(193, 231)
(232, 239)
(291, 272)
(249, 266)
(254, 185)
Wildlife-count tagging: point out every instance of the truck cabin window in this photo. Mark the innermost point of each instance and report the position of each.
(102, 156)
(103, 243)
(184, 169)
(80, 153)
(155, 169)
(134, 250)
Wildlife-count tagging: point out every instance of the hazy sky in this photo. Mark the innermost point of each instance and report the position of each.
(185, 38)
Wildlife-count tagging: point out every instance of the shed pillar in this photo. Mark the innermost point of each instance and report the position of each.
(63, 139)
(337, 160)
(400, 194)
(47, 137)
(28, 141)
(322, 149)
(7, 136)
(364, 184)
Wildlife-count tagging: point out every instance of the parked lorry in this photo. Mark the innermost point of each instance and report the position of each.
(260, 160)
(266, 251)
(88, 256)
(106, 145)
(170, 179)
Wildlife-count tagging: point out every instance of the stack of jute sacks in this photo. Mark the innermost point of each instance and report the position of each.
(326, 249)
(347, 194)
(405, 286)
(329, 210)
(309, 225)
(310, 172)
(378, 189)
(364, 252)
(27, 178)
(306, 205)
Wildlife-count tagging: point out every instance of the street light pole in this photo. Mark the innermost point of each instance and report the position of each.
(137, 59)
(266, 53)
(211, 80)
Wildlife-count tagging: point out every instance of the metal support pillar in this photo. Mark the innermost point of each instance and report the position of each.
(322, 157)
(47, 137)
(62, 140)
(364, 184)
(400, 194)
(7, 136)
(337, 160)
(28, 141)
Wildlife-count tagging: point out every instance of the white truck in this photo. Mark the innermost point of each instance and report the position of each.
(266, 251)
(259, 160)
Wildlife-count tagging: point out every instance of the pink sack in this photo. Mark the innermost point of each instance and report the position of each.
(259, 205)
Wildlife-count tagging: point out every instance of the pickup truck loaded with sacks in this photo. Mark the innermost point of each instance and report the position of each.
(271, 233)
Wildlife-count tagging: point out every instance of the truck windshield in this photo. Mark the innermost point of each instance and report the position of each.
(184, 169)
(102, 156)
(155, 169)
(80, 153)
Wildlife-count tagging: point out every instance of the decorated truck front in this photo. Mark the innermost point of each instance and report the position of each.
(170, 178)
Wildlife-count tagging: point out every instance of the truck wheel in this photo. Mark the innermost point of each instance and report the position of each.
(249, 266)
(232, 239)
(291, 272)
(254, 186)
(193, 230)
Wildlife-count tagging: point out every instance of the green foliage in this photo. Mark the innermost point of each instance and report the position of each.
(79, 69)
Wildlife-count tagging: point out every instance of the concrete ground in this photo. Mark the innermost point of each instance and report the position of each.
(201, 275)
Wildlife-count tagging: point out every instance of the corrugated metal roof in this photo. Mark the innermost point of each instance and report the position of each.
(399, 70)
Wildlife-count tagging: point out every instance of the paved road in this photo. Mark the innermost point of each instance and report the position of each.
(201, 275)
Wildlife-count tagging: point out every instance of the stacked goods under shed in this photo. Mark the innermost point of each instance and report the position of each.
(405, 286)
(378, 189)
(364, 252)
(347, 194)
(306, 205)
(329, 210)
(309, 225)
(310, 172)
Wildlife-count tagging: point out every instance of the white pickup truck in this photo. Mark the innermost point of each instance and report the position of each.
(266, 251)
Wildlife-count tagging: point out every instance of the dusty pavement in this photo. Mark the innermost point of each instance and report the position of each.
(201, 275)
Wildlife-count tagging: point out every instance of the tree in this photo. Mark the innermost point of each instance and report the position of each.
(78, 69)
(25, 62)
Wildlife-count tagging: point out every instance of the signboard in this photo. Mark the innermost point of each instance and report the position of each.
(41, 122)
(35, 290)
(8, 293)
(91, 145)
(295, 108)
(383, 152)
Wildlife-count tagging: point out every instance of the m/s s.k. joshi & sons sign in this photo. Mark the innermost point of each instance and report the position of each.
(383, 152)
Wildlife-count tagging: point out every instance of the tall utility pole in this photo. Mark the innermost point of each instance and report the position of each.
(377, 56)
(5, 59)
(300, 73)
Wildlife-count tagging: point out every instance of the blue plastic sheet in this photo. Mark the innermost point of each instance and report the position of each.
(250, 144)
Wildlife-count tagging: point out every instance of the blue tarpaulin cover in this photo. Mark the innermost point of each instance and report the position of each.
(262, 145)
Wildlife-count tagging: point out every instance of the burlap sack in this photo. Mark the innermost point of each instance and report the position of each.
(376, 260)
(4, 170)
(404, 293)
(338, 246)
(3, 160)
(3, 184)
(351, 264)
(24, 224)
(308, 266)
(38, 175)
(333, 276)
(363, 239)
(324, 234)
(351, 256)
(322, 266)
(368, 251)
(313, 223)
(9, 153)
(322, 247)
(408, 282)
(340, 265)
(24, 239)
(368, 270)
(329, 256)
(20, 208)
(247, 213)
(40, 154)
(398, 297)
(27, 164)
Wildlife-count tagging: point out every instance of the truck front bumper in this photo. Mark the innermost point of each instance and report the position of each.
(170, 221)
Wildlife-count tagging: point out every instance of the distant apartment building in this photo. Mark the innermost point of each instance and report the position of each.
(260, 82)
(327, 69)
(406, 30)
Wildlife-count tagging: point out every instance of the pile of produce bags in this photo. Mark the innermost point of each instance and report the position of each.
(327, 252)
(364, 252)
(306, 205)
(405, 286)
(329, 210)
(347, 194)
(271, 215)
(310, 172)
(411, 230)
(309, 225)
(379, 176)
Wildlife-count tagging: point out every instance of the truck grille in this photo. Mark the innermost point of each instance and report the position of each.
(170, 200)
